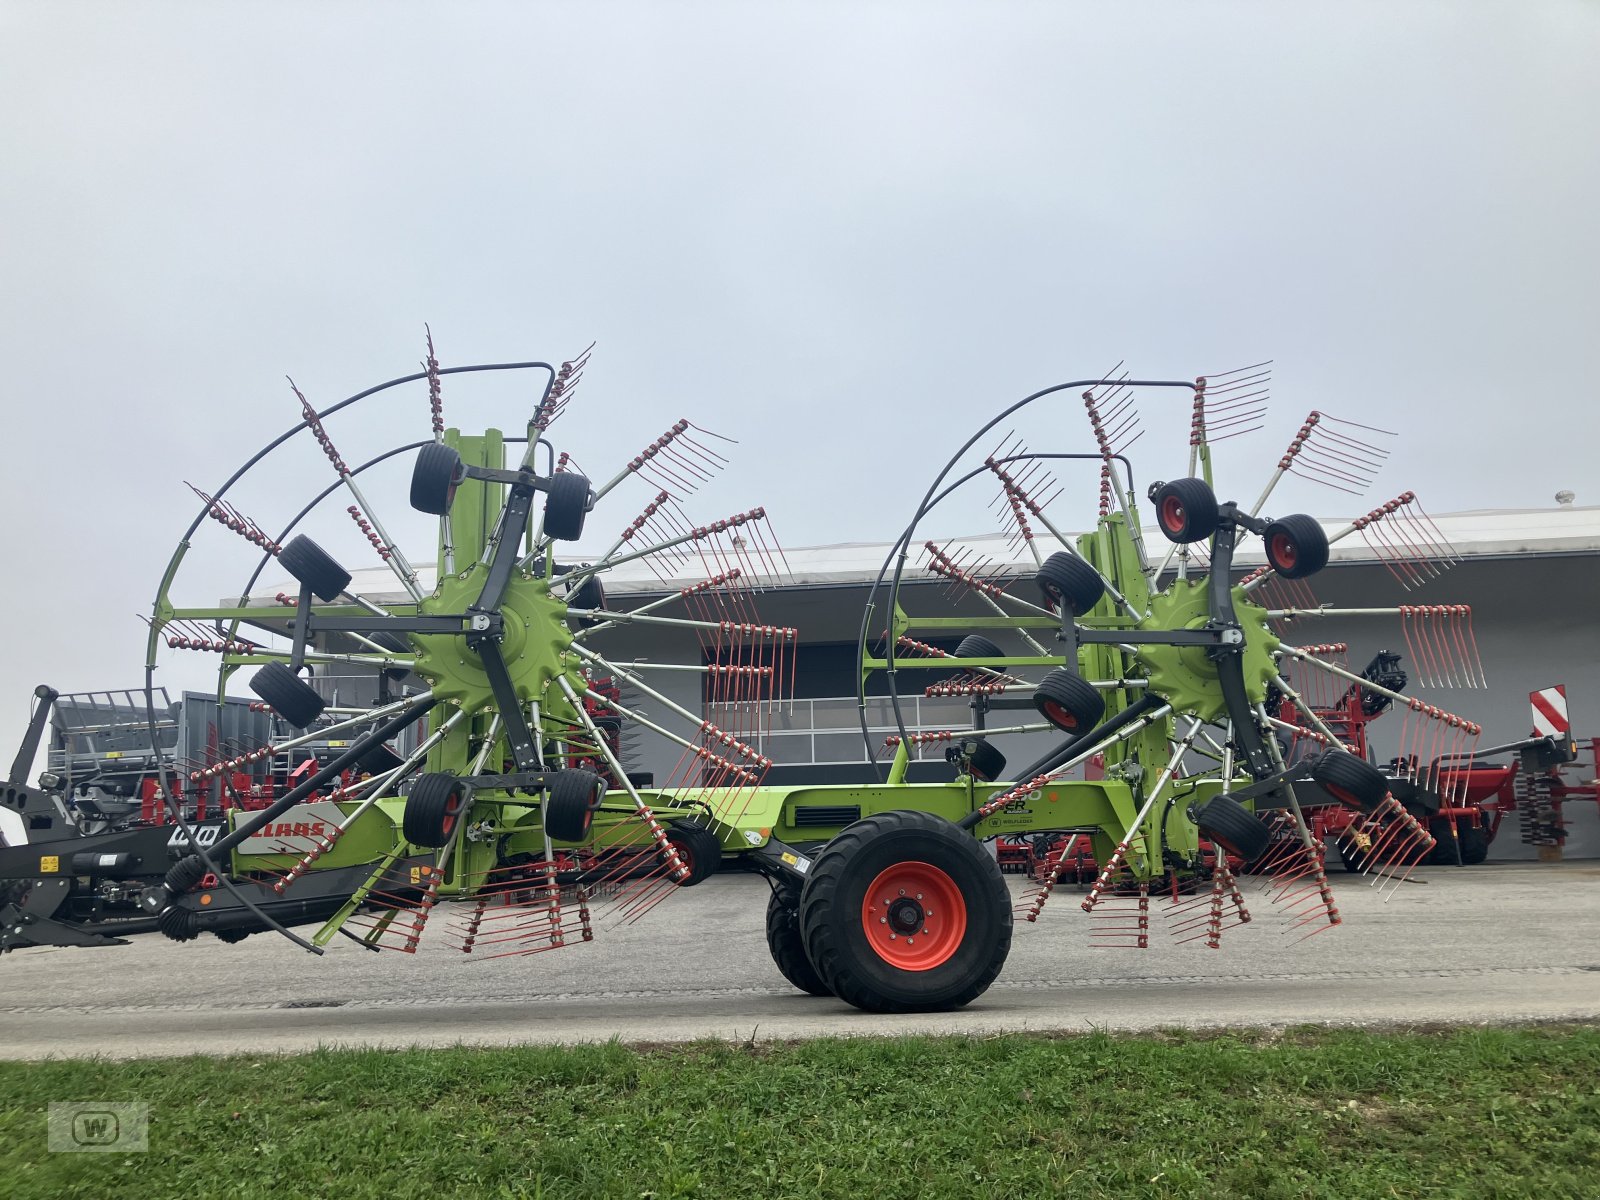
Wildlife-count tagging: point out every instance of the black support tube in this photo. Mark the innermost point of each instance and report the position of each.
(1105, 729)
(178, 882)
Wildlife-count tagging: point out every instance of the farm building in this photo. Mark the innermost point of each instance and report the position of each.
(1528, 577)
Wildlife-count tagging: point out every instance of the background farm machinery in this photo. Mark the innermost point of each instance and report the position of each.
(1524, 783)
(99, 829)
(104, 764)
(488, 772)
(99, 819)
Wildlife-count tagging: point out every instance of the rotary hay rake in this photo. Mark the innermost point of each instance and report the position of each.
(490, 774)
(497, 716)
(1170, 679)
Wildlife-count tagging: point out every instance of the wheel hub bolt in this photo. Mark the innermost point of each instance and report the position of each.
(905, 916)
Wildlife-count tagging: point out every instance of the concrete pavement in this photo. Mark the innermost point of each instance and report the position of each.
(1495, 943)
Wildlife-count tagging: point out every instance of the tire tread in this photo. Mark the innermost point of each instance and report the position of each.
(817, 904)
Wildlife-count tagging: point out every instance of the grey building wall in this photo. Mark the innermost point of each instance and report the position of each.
(644, 749)
(1533, 619)
(1536, 625)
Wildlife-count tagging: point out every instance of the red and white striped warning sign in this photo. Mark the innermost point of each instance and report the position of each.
(1550, 712)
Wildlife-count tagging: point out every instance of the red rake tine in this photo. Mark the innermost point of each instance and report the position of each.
(1434, 618)
(1435, 673)
(1415, 644)
(1374, 536)
(430, 365)
(1397, 870)
(1333, 470)
(1472, 663)
(1402, 534)
(675, 482)
(710, 461)
(1275, 859)
(1362, 460)
(1445, 550)
(1388, 839)
(1235, 375)
(1413, 538)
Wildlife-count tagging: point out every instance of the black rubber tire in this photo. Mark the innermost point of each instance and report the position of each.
(975, 645)
(435, 476)
(1067, 581)
(698, 847)
(1068, 701)
(570, 803)
(291, 697)
(232, 936)
(314, 567)
(1351, 856)
(1296, 546)
(1186, 510)
(591, 593)
(836, 889)
(1349, 779)
(1233, 827)
(788, 948)
(1420, 802)
(1471, 839)
(1474, 841)
(433, 806)
(988, 764)
(565, 507)
(379, 760)
(1443, 853)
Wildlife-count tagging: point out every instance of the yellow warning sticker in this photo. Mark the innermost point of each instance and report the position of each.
(49, 864)
(789, 858)
(113, 753)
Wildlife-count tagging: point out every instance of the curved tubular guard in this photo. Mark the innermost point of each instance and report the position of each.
(932, 498)
(176, 812)
(173, 808)
(178, 880)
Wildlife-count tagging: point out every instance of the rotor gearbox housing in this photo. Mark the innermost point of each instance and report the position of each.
(1186, 676)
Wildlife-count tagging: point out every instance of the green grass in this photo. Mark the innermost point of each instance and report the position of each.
(1472, 1113)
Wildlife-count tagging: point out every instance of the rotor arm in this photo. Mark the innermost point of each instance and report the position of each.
(520, 737)
(1229, 655)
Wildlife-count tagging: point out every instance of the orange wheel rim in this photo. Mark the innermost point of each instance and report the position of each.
(914, 916)
(452, 809)
(1059, 716)
(1342, 795)
(1285, 554)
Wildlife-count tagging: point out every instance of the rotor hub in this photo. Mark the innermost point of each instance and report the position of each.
(1186, 676)
(905, 915)
(534, 640)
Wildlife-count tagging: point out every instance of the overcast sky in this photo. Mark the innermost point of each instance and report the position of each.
(843, 233)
